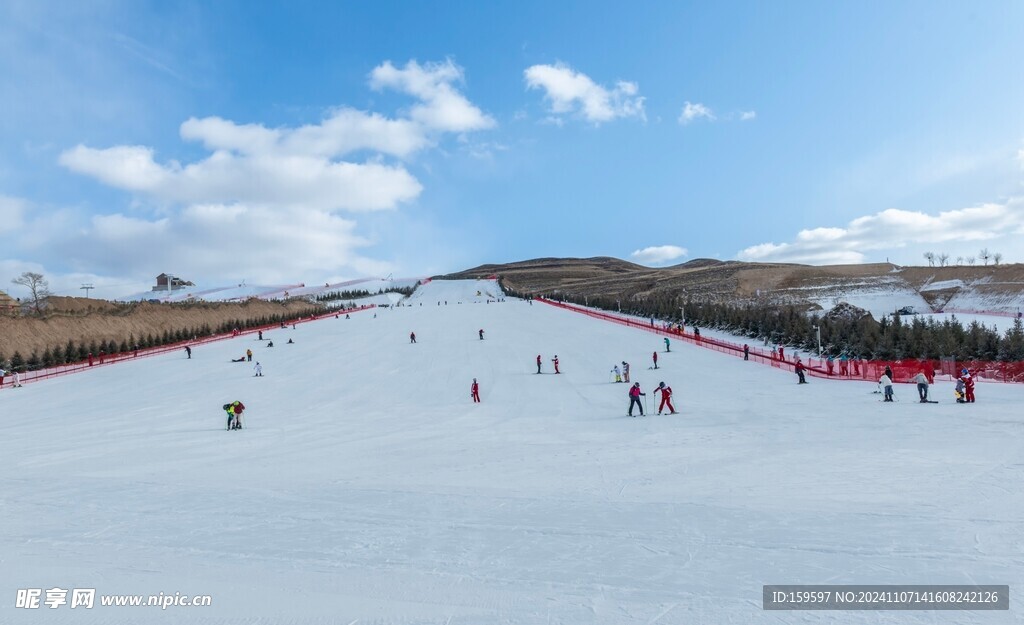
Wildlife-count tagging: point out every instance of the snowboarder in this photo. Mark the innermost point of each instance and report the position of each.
(625, 372)
(188, 352)
(634, 398)
(968, 379)
(239, 359)
(259, 370)
(618, 376)
(799, 368)
(668, 346)
(746, 352)
(666, 398)
(248, 355)
(555, 360)
(412, 337)
(922, 386)
(655, 360)
(886, 382)
(234, 411)
(290, 342)
(481, 334)
(474, 392)
(270, 344)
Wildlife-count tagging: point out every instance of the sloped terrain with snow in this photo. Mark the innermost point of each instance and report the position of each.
(368, 488)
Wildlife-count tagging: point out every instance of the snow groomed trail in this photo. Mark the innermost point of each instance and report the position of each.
(369, 488)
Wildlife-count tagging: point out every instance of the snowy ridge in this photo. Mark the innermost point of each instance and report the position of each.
(369, 488)
(244, 291)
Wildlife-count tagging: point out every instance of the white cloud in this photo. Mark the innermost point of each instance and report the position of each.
(570, 91)
(659, 254)
(895, 229)
(747, 115)
(442, 107)
(12, 212)
(694, 111)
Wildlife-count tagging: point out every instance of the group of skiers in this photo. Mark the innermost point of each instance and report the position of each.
(554, 361)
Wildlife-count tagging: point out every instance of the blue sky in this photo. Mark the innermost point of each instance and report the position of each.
(312, 142)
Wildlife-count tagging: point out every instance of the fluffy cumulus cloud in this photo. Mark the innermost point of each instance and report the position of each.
(956, 231)
(693, 111)
(273, 193)
(746, 116)
(659, 254)
(572, 92)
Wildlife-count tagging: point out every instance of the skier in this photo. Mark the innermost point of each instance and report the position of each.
(634, 398)
(886, 383)
(843, 366)
(696, 333)
(782, 355)
(968, 379)
(668, 347)
(259, 370)
(234, 411)
(959, 391)
(625, 372)
(17, 379)
(248, 355)
(239, 359)
(655, 360)
(666, 398)
(412, 337)
(188, 351)
(474, 392)
(830, 364)
(799, 368)
(618, 376)
(261, 335)
(746, 352)
(481, 334)
(2, 374)
(922, 386)
(555, 360)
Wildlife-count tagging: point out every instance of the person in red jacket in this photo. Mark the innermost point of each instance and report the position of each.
(474, 392)
(799, 368)
(655, 360)
(968, 379)
(555, 360)
(634, 399)
(538, 363)
(666, 398)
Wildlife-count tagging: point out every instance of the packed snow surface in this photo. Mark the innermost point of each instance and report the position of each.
(368, 488)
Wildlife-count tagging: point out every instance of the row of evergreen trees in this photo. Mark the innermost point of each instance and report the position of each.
(892, 338)
(74, 352)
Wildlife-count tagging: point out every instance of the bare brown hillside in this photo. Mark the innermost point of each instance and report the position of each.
(80, 319)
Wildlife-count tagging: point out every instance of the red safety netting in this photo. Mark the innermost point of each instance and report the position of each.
(853, 369)
(102, 360)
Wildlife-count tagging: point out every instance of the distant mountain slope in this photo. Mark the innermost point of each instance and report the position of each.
(878, 287)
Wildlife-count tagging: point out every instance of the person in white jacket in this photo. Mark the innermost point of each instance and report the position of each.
(618, 375)
(259, 370)
(886, 383)
(922, 386)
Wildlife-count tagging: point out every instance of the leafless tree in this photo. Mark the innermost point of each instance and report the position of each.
(970, 260)
(38, 288)
(943, 259)
(959, 261)
(997, 257)
(930, 257)
(984, 255)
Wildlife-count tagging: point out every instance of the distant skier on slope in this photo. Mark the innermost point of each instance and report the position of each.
(959, 391)
(655, 360)
(412, 337)
(259, 370)
(634, 399)
(188, 352)
(799, 368)
(555, 360)
(234, 411)
(625, 372)
(474, 391)
(668, 345)
(248, 355)
(886, 383)
(538, 363)
(618, 376)
(666, 398)
(968, 379)
(922, 386)
(481, 334)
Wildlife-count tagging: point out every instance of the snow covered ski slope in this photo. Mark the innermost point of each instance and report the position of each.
(369, 488)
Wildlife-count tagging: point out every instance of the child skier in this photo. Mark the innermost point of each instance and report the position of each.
(555, 360)
(259, 370)
(634, 398)
(625, 372)
(666, 398)
(886, 383)
(474, 392)
(968, 379)
(959, 391)
(618, 376)
(234, 410)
